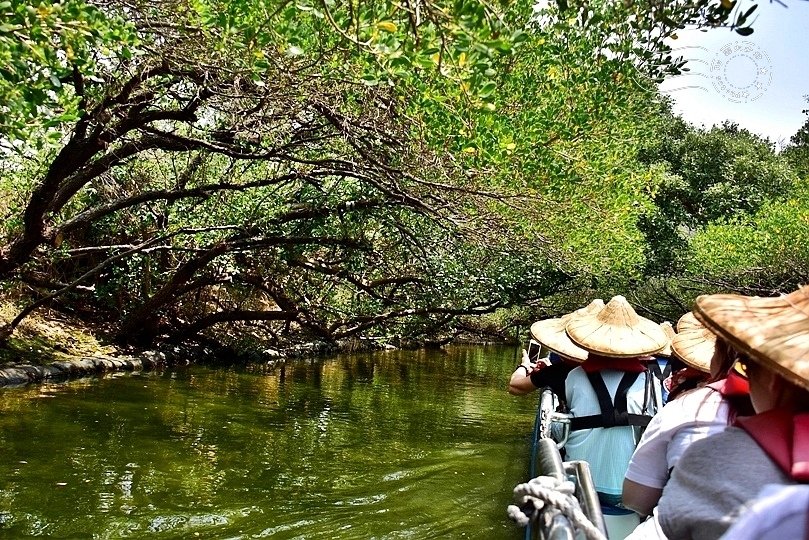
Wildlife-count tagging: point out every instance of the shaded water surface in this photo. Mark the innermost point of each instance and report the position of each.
(423, 444)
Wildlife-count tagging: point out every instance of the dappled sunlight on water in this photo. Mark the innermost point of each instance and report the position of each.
(423, 444)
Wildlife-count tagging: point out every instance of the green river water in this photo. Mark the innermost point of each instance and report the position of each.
(397, 444)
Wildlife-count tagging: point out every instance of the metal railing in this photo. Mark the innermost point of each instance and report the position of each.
(551, 429)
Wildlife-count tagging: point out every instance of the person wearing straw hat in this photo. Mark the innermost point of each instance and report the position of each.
(694, 415)
(663, 365)
(716, 477)
(612, 396)
(551, 334)
(697, 362)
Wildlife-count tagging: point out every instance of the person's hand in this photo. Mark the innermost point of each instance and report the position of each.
(526, 361)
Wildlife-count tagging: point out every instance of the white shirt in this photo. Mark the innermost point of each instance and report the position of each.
(607, 450)
(693, 416)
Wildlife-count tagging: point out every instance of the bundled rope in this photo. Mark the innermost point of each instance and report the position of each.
(544, 492)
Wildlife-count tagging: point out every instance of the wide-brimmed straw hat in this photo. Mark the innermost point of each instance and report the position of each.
(669, 330)
(551, 332)
(688, 322)
(773, 332)
(617, 331)
(694, 344)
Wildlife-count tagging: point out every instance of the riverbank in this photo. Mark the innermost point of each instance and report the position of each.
(51, 345)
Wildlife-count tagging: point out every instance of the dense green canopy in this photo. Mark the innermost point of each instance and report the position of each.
(288, 171)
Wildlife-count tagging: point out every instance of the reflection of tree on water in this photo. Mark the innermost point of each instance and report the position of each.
(380, 443)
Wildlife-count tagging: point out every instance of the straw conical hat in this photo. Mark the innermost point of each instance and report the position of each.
(551, 332)
(688, 322)
(694, 344)
(669, 330)
(771, 331)
(616, 331)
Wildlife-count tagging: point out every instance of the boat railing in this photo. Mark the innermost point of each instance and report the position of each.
(551, 429)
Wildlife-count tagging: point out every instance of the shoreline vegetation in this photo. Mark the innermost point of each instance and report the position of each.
(176, 179)
(53, 347)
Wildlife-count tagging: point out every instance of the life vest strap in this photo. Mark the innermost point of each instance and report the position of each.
(654, 367)
(597, 421)
(612, 414)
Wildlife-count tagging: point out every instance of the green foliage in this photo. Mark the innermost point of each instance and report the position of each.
(764, 248)
(560, 135)
(337, 169)
(797, 151)
(724, 173)
(44, 46)
(372, 43)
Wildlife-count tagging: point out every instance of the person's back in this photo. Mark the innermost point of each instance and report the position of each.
(607, 450)
(692, 416)
(718, 476)
(699, 504)
(779, 513)
(612, 397)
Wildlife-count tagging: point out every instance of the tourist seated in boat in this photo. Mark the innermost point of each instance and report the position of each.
(690, 416)
(718, 476)
(563, 358)
(692, 375)
(663, 365)
(611, 397)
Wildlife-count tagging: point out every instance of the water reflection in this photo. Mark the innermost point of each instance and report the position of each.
(422, 444)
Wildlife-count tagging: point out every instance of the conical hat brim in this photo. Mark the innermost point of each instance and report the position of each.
(669, 331)
(617, 331)
(771, 331)
(688, 322)
(551, 332)
(695, 347)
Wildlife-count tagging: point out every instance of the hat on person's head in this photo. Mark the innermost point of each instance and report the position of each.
(694, 344)
(669, 330)
(688, 322)
(773, 332)
(616, 331)
(551, 332)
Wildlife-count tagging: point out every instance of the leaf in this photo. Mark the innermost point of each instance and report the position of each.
(387, 26)
(487, 89)
(370, 80)
(744, 31)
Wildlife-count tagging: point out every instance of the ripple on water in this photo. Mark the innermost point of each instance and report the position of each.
(270, 531)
